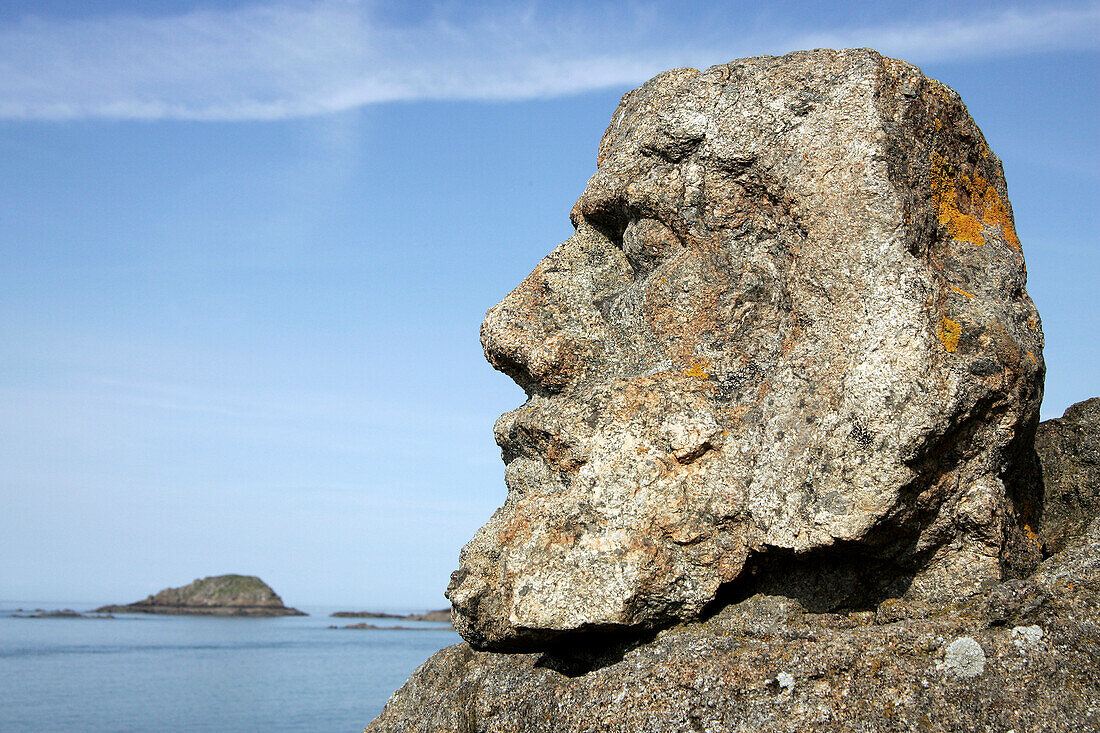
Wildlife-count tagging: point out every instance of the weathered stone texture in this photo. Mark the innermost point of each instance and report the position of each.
(1021, 656)
(788, 349)
(1069, 451)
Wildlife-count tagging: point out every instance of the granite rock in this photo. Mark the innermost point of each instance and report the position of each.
(788, 350)
(1069, 452)
(1020, 656)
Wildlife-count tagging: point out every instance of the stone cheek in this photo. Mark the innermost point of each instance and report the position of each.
(774, 343)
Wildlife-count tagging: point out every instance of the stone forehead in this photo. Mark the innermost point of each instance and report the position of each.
(682, 109)
(807, 130)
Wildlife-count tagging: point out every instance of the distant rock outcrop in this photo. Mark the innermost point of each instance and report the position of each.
(221, 595)
(373, 627)
(776, 470)
(64, 613)
(441, 616)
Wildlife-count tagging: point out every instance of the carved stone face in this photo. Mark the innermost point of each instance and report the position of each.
(740, 352)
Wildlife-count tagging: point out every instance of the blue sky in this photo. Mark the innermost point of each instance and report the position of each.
(246, 249)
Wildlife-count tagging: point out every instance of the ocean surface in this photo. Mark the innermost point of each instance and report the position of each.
(186, 673)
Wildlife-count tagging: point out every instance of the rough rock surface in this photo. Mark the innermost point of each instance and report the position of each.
(1069, 451)
(1021, 656)
(221, 595)
(788, 349)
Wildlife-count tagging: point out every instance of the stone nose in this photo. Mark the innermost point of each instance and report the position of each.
(541, 358)
(549, 331)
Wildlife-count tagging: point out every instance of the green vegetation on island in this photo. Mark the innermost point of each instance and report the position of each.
(220, 595)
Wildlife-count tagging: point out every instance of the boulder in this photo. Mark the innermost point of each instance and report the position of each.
(1069, 452)
(1020, 656)
(788, 350)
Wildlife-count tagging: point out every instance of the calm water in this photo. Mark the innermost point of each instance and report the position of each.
(180, 673)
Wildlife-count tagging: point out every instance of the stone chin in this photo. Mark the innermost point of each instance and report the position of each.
(787, 347)
(606, 526)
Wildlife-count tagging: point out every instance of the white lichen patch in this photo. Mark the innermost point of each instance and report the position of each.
(1027, 637)
(964, 658)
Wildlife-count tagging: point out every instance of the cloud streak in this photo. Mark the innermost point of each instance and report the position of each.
(293, 59)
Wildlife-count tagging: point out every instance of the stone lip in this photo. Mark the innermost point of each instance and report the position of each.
(221, 595)
(1019, 656)
(787, 350)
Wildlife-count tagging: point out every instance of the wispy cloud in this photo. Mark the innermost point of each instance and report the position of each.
(999, 34)
(270, 61)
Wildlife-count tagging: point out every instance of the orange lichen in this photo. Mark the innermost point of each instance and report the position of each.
(960, 291)
(1032, 357)
(697, 371)
(1032, 324)
(948, 333)
(982, 200)
(961, 227)
(996, 213)
(1031, 534)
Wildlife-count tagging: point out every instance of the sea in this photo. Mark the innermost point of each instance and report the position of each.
(188, 673)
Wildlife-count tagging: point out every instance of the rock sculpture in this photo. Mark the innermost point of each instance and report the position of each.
(787, 349)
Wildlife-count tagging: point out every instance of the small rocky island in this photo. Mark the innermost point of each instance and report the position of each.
(780, 466)
(442, 616)
(220, 595)
(66, 613)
